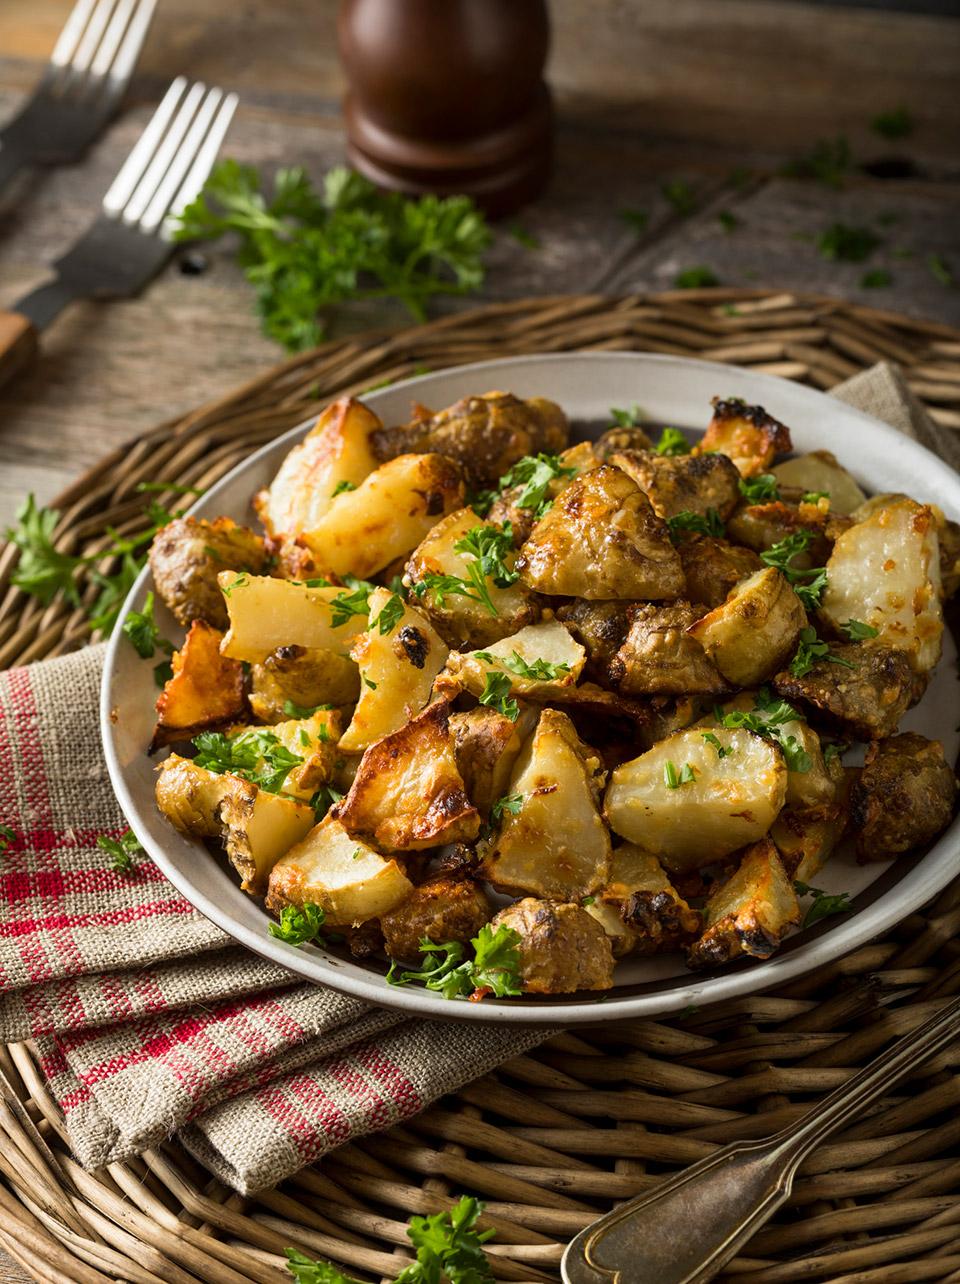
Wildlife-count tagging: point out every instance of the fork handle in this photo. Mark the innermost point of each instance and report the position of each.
(18, 343)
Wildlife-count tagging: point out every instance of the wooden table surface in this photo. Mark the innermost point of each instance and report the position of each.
(648, 92)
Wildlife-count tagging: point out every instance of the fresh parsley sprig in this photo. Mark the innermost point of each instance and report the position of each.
(768, 718)
(808, 583)
(494, 968)
(760, 490)
(539, 670)
(723, 750)
(306, 251)
(256, 755)
(122, 850)
(824, 904)
(857, 631)
(300, 711)
(811, 649)
(496, 694)
(298, 925)
(535, 473)
(508, 805)
(141, 631)
(390, 616)
(672, 442)
(673, 779)
(346, 605)
(709, 523)
(7, 836)
(626, 418)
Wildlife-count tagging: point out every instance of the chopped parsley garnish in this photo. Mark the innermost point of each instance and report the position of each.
(346, 605)
(810, 650)
(256, 755)
(298, 925)
(390, 616)
(342, 487)
(637, 219)
(539, 671)
(672, 442)
(162, 673)
(369, 682)
(823, 903)
(122, 850)
(849, 244)
(494, 968)
(673, 779)
(509, 804)
(7, 836)
(857, 631)
(440, 587)
(807, 584)
(833, 750)
(814, 496)
(172, 487)
(940, 269)
(535, 474)
(709, 523)
(293, 710)
(241, 581)
(727, 220)
(760, 490)
(767, 719)
(140, 629)
(523, 236)
(626, 418)
(828, 161)
(586, 901)
(496, 694)
(876, 279)
(722, 750)
(324, 798)
(487, 547)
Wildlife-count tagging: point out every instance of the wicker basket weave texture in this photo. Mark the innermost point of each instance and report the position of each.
(558, 1136)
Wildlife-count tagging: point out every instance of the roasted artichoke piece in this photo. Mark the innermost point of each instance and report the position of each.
(301, 677)
(640, 909)
(552, 842)
(660, 656)
(691, 806)
(820, 473)
(864, 697)
(713, 566)
(460, 618)
(206, 689)
(600, 626)
(349, 880)
(616, 439)
(562, 949)
(266, 614)
(444, 908)
(683, 483)
(387, 515)
(487, 745)
(602, 539)
(536, 662)
(190, 796)
(904, 797)
(485, 435)
(335, 453)
(747, 434)
(885, 572)
(407, 793)
(751, 634)
(399, 656)
(523, 516)
(188, 554)
(760, 526)
(750, 913)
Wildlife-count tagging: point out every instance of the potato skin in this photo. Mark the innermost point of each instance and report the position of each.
(187, 555)
(442, 909)
(683, 483)
(904, 797)
(660, 657)
(866, 701)
(755, 631)
(748, 914)
(486, 435)
(713, 566)
(307, 676)
(562, 949)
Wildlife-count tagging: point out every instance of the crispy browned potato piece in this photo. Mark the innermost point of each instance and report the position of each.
(640, 909)
(486, 745)
(206, 689)
(755, 630)
(445, 908)
(760, 526)
(659, 656)
(305, 676)
(683, 483)
(602, 539)
(187, 555)
(805, 837)
(562, 949)
(617, 439)
(600, 627)
(713, 566)
(747, 434)
(407, 793)
(749, 913)
(485, 434)
(903, 798)
(866, 701)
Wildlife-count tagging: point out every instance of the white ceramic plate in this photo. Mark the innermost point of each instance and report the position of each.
(668, 390)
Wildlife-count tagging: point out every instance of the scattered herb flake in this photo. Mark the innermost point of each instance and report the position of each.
(539, 671)
(390, 616)
(760, 490)
(823, 905)
(297, 925)
(534, 473)
(496, 694)
(122, 850)
(509, 804)
(140, 630)
(727, 220)
(809, 583)
(709, 523)
(524, 237)
(842, 242)
(672, 442)
(876, 279)
(940, 269)
(723, 750)
(342, 487)
(680, 195)
(636, 219)
(828, 161)
(810, 650)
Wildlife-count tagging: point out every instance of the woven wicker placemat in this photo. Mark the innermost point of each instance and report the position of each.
(556, 1137)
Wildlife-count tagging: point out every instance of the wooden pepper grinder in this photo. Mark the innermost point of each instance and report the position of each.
(448, 96)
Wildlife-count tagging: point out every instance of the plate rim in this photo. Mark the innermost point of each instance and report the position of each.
(834, 939)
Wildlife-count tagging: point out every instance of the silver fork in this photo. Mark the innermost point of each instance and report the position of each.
(132, 238)
(89, 69)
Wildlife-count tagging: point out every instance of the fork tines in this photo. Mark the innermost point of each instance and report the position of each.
(172, 158)
(98, 46)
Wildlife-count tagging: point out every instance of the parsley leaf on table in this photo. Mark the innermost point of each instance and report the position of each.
(7, 836)
(122, 849)
(140, 630)
(840, 241)
(306, 251)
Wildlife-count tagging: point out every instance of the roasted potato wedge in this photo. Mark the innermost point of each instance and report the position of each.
(746, 434)
(266, 614)
(386, 516)
(805, 838)
(660, 656)
(350, 881)
(562, 949)
(335, 453)
(885, 572)
(602, 539)
(820, 473)
(407, 793)
(486, 435)
(399, 656)
(206, 689)
(190, 796)
(864, 698)
(712, 567)
(186, 557)
(904, 797)
(755, 630)
(640, 909)
(536, 661)
(460, 620)
(444, 908)
(683, 483)
(729, 802)
(555, 843)
(297, 677)
(750, 913)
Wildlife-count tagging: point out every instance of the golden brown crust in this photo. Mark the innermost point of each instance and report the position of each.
(187, 555)
(444, 908)
(713, 566)
(866, 701)
(683, 483)
(206, 690)
(747, 434)
(562, 949)
(750, 913)
(659, 656)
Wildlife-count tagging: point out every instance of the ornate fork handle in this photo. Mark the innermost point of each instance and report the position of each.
(689, 1226)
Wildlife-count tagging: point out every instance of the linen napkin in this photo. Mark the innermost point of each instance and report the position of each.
(147, 1021)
